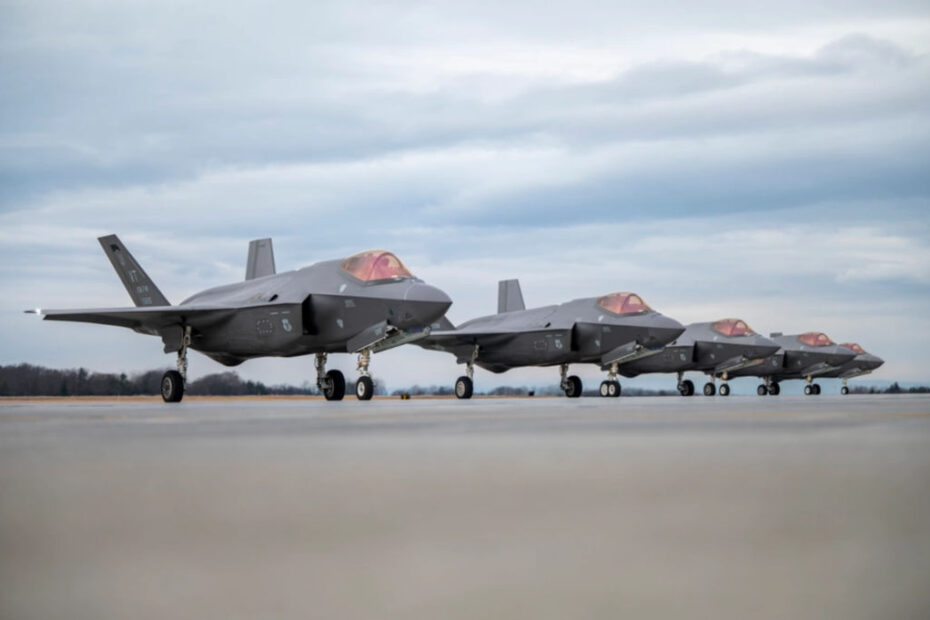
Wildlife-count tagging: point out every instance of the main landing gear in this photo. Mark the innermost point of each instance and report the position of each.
(332, 383)
(768, 387)
(811, 388)
(465, 386)
(570, 385)
(611, 387)
(686, 386)
(172, 382)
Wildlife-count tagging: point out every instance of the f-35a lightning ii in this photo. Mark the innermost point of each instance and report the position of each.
(801, 356)
(606, 330)
(718, 349)
(862, 364)
(363, 304)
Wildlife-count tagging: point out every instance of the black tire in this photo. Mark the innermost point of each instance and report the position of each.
(844, 390)
(724, 389)
(172, 387)
(364, 388)
(774, 389)
(709, 389)
(808, 390)
(614, 389)
(464, 387)
(816, 389)
(573, 389)
(762, 390)
(686, 388)
(336, 385)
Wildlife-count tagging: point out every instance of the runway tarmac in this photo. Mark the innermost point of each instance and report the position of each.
(739, 507)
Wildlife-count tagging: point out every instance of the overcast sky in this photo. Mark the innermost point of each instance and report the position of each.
(766, 160)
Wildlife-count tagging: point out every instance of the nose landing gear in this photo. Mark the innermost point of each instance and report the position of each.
(811, 388)
(611, 387)
(364, 387)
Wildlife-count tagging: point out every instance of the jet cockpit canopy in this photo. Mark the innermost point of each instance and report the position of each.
(732, 327)
(623, 303)
(374, 265)
(815, 339)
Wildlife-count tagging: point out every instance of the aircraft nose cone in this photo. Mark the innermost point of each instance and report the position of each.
(763, 347)
(840, 355)
(873, 361)
(661, 330)
(427, 303)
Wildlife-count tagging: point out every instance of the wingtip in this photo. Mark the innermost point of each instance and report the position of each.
(36, 311)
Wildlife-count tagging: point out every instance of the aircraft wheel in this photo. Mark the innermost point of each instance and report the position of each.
(573, 389)
(808, 390)
(337, 385)
(816, 387)
(172, 387)
(605, 388)
(762, 390)
(844, 390)
(614, 389)
(686, 388)
(364, 388)
(774, 389)
(724, 389)
(464, 387)
(709, 389)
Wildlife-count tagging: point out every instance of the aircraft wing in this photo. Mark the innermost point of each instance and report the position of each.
(147, 319)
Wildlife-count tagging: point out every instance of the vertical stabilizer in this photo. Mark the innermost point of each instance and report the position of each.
(140, 287)
(509, 296)
(261, 259)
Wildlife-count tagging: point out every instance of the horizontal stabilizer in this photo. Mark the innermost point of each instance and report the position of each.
(140, 287)
(150, 320)
(261, 259)
(509, 296)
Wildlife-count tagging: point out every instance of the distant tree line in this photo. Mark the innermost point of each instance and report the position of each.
(29, 380)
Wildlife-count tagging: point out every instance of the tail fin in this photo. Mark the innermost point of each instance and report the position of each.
(261, 259)
(140, 287)
(509, 296)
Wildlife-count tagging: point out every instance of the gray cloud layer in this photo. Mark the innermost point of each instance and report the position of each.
(745, 150)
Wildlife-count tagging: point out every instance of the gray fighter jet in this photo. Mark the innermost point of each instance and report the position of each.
(363, 304)
(862, 364)
(718, 349)
(607, 331)
(801, 356)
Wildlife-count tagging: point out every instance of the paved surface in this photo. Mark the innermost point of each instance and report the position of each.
(639, 507)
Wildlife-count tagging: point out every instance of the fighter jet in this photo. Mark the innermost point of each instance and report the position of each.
(862, 364)
(801, 356)
(362, 304)
(718, 348)
(606, 330)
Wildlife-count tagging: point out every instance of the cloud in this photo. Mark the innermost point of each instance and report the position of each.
(759, 160)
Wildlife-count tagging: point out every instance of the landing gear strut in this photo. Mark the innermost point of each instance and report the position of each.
(331, 383)
(611, 387)
(811, 387)
(465, 386)
(172, 382)
(364, 387)
(571, 385)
